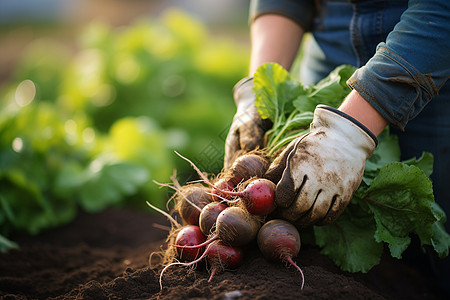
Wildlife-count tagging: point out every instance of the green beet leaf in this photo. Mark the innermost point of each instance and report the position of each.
(349, 241)
(440, 239)
(425, 163)
(387, 151)
(400, 198)
(274, 91)
(329, 91)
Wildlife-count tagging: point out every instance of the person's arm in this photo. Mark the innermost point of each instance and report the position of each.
(275, 39)
(408, 69)
(358, 107)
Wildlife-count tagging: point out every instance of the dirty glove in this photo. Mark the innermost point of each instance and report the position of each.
(319, 172)
(247, 130)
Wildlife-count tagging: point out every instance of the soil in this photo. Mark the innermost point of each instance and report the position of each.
(106, 256)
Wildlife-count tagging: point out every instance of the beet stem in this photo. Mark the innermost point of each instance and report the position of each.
(224, 199)
(200, 173)
(179, 192)
(213, 272)
(183, 264)
(171, 219)
(289, 260)
(206, 180)
(208, 242)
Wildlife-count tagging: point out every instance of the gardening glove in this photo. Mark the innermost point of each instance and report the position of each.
(247, 129)
(318, 172)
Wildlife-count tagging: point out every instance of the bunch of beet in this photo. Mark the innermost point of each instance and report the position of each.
(221, 217)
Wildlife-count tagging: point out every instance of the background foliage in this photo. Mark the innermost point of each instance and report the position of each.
(91, 130)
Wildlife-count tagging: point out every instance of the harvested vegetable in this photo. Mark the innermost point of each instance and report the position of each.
(221, 257)
(222, 184)
(189, 235)
(258, 195)
(246, 166)
(208, 216)
(236, 227)
(191, 199)
(279, 240)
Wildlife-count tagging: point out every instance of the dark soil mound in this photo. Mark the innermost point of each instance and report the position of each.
(105, 256)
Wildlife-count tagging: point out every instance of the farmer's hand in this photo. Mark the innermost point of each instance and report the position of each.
(319, 172)
(247, 129)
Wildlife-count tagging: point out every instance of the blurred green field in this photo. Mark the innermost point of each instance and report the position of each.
(92, 127)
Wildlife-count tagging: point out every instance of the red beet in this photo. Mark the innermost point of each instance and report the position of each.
(236, 227)
(247, 166)
(222, 185)
(189, 236)
(221, 256)
(208, 216)
(190, 198)
(258, 196)
(279, 240)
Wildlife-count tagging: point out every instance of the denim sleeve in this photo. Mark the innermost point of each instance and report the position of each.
(408, 69)
(300, 11)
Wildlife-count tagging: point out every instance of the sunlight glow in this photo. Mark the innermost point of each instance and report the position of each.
(25, 92)
(17, 144)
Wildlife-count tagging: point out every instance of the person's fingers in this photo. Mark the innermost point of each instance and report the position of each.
(338, 205)
(251, 136)
(290, 183)
(304, 199)
(318, 210)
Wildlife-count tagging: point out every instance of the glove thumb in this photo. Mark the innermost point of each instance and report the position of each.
(277, 167)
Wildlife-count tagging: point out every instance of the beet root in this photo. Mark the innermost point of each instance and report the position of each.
(208, 216)
(221, 256)
(247, 166)
(279, 240)
(188, 195)
(222, 185)
(189, 236)
(236, 227)
(259, 197)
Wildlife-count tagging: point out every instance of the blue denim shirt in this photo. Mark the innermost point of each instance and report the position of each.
(402, 47)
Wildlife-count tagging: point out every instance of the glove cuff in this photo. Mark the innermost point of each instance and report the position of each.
(243, 89)
(353, 120)
(241, 82)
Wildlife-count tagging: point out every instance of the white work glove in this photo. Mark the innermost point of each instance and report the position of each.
(247, 129)
(319, 172)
